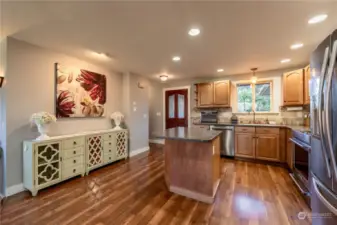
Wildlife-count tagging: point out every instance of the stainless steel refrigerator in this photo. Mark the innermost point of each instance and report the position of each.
(323, 110)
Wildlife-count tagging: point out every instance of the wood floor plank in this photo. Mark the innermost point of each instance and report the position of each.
(133, 192)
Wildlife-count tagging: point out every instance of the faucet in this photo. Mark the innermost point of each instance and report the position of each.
(253, 115)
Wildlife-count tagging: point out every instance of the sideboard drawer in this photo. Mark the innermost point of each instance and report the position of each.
(109, 136)
(109, 158)
(72, 171)
(74, 161)
(72, 152)
(110, 144)
(73, 143)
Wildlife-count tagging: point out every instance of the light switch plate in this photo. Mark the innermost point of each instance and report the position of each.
(158, 113)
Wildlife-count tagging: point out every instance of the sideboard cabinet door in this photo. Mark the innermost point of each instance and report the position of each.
(122, 145)
(94, 151)
(47, 164)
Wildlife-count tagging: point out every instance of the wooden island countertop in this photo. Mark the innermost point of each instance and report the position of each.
(192, 162)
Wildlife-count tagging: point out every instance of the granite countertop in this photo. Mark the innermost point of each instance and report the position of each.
(293, 127)
(189, 134)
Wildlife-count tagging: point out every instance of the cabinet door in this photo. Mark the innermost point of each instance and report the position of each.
(205, 94)
(306, 85)
(47, 164)
(94, 151)
(290, 150)
(267, 147)
(293, 88)
(245, 145)
(222, 93)
(122, 145)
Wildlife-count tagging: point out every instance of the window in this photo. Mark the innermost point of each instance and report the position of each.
(257, 97)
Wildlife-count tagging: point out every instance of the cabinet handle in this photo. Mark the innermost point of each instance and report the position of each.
(75, 143)
(109, 158)
(74, 152)
(109, 150)
(74, 171)
(109, 136)
(74, 161)
(109, 143)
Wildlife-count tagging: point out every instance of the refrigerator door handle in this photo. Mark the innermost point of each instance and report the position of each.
(327, 204)
(320, 125)
(328, 108)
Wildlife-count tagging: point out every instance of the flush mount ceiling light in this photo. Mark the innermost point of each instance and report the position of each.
(285, 60)
(194, 32)
(163, 78)
(219, 70)
(317, 19)
(296, 46)
(101, 56)
(176, 58)
(254, 78)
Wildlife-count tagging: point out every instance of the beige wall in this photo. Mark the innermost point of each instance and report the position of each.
(30, 88)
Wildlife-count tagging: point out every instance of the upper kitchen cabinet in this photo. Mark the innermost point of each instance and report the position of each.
(222, 93)
(213, 94)
(293, 88)
(306, 85)
(205, 94)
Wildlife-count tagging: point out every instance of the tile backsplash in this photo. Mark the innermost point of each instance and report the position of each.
(283, 117)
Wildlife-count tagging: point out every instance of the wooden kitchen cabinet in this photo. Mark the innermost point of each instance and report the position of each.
(267, 147)
(293, 89)
(306, 85)
(222, 93)
(205, 94)
(245, 145)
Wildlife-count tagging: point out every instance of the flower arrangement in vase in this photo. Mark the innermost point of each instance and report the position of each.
(42, 120)
(118, 118)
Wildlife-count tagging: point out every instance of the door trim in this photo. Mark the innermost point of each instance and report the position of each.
(188, 103)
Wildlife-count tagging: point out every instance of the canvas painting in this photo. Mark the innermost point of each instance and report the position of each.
(79, 92)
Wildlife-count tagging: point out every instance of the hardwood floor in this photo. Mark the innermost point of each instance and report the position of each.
(134, 192)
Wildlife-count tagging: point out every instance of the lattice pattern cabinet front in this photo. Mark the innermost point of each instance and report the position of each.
(94, 152)
(122, 145)
(43, 165)
(47, 162)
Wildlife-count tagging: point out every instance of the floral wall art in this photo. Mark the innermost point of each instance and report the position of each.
(79, 93)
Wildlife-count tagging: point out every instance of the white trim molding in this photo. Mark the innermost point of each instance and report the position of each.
(188, 103)
(157, 141)
(12, 190)
(138, 151)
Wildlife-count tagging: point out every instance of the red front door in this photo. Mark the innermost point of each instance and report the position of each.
(176, 108)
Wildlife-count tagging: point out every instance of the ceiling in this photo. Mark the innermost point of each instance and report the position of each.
(142, 37)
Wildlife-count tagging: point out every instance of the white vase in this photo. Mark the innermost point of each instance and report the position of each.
(43, 130)
(117, 123)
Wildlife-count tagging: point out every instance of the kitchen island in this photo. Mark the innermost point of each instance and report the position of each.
(192, 162)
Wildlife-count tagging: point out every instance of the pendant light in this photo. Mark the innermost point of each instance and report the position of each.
(254, 78)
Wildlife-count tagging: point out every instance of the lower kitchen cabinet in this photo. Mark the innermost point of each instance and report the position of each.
(258, 143)
(245, 145)
(267, 147)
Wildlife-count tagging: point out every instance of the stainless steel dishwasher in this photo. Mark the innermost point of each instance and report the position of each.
(227, 139)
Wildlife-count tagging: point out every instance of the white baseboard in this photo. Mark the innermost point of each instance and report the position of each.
(12, 190)
(138, 151)
(157, 141)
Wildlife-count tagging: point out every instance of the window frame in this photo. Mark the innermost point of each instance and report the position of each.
(270, 82)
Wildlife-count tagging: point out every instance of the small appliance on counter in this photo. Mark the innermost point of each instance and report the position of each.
(209, 117)
(234, 119)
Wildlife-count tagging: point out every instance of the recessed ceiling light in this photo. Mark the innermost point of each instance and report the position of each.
(194, 32)
(176, 58)
(163, 78)
(318, 19)
(285, 60)
(219, 70)
(296, 46)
